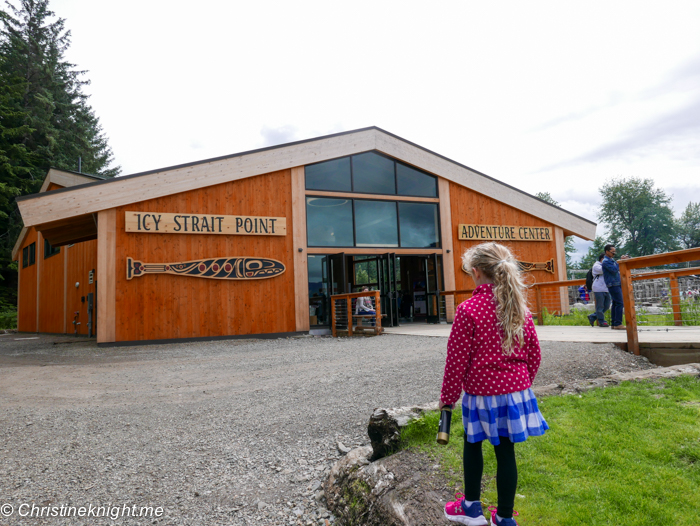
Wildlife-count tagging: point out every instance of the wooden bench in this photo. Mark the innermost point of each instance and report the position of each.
(361, 327)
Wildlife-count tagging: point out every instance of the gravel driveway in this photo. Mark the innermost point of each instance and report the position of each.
(216, 433)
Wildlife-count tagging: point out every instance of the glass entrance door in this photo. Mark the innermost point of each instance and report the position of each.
(319, 302)
(386, 274)
(337, 274)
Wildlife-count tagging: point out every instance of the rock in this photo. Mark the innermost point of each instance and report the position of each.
(382, 493)
(385, 425)
(343, 448)
(547, 390)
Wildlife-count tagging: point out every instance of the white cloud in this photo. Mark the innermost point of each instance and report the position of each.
(547, 96)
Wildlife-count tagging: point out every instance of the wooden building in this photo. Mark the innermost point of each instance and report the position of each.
(255, 243)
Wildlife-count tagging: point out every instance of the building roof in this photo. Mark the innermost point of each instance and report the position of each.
(51, 210)
(63, 178)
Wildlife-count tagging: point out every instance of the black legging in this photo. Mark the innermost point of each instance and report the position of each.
(506, 474)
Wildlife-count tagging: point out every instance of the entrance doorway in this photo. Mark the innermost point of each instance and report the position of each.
(408, 285)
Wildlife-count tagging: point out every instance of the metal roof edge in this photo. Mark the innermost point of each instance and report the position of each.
(289, 144)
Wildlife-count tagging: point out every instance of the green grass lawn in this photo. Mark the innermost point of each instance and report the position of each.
(627, 455)
(690, 314)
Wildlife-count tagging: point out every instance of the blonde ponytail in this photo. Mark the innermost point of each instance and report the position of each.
(499, 265)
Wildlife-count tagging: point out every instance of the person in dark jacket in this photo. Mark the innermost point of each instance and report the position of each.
(611, 275)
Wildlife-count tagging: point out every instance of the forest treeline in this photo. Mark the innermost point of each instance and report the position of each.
(45, 119)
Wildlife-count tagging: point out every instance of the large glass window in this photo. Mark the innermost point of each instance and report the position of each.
(373, 174)
(329, 222)
(370, 173)
(419, 225)
(414, 182)
(375, 224)
(332, 175)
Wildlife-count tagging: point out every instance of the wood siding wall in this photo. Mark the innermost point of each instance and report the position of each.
(162, 306)
(58, 298)
(51, 290)
(469, 207)
(26, 316)
(82, 258)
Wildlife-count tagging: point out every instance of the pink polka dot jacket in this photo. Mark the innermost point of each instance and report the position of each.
(475, 361)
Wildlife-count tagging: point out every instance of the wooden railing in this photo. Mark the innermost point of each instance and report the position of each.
(450, 310)
(346, 301)
(626, 266)
(539, 304)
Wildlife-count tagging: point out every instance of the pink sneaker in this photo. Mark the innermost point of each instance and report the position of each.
(457, 511)
(502, 522)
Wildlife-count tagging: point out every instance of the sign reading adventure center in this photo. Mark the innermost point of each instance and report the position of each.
(504, 233)
(160, 223)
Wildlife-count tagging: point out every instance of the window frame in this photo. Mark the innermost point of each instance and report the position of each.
(398, 224)
(352, 217)
(29, 255)
(439, 223)
(52, 250)
(396, 180)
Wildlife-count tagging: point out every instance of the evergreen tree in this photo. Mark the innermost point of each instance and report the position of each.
(45, 118)
(569, 247)
(688, 226)
(639, 216)
(594, 252)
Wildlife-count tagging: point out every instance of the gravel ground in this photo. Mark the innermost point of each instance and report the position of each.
(236, 432)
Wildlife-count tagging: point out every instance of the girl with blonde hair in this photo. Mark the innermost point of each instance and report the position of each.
(492, 355)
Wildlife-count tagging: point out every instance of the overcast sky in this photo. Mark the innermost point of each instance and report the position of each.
(545, 96)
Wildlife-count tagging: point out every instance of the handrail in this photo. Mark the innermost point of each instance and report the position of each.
(349, 297)
(569, 283)
(666, 258)
(454, 292)
(666, 273)
(626, 266)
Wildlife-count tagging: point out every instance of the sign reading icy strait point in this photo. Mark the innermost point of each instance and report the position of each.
(162, 223)
(505, 233)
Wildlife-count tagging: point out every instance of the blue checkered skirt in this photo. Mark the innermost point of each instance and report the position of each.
(512, 415)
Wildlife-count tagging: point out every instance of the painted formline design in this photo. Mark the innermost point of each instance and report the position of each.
(237, 268)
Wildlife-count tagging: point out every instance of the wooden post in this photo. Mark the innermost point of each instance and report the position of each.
(448, 256)
(349, 304)
(675, 301)
(560, 246)
(538, 306)
(301, 263)
(333, 321)
(378, 311)
(39, 258)
(107, 275)
(630, 314)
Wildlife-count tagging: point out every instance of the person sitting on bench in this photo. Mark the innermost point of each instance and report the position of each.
(364, 307)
